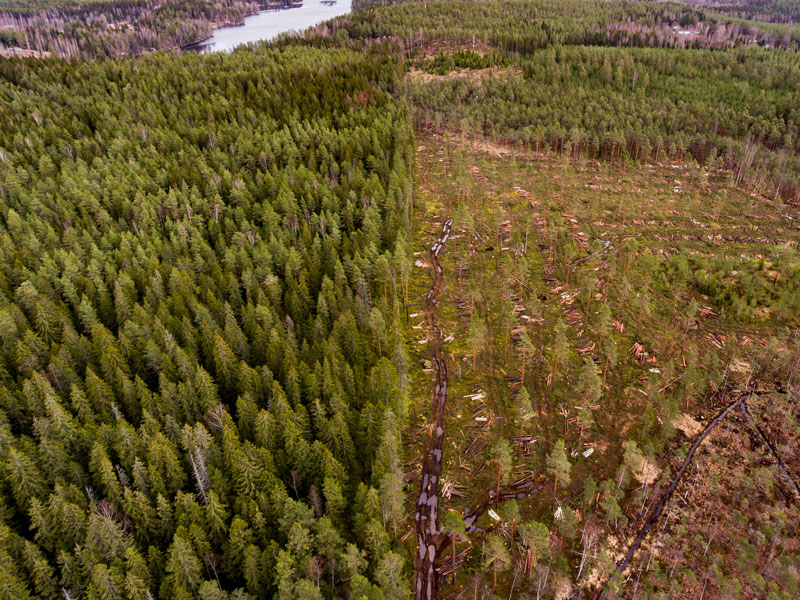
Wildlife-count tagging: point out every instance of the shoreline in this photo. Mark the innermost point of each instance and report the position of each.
(262, 8)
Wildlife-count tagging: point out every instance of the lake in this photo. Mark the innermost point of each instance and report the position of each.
(268, 24)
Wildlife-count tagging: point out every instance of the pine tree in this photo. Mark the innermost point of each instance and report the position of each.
(11, 585)
(353, 561)
(240, 536)
(391, 577)
(253, 570)
(328, 543)
(558, 465)
(137, 576)
(633, 457)
(609, 504)
(44, 580)
(392, 498)
(452, 525)
(497, 555)
(216, 514)
(210, 590)
(23, 476)
(335, 501)
(183, 568)
(477, 334)
(590, 385)
(305, 589)
(106, 583)
(523, 406)
(503, 460)
(560, 348)
(536, 537)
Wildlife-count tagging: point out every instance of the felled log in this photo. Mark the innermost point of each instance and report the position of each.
(479, 448)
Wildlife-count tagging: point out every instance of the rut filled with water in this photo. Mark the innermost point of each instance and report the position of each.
(426, 579)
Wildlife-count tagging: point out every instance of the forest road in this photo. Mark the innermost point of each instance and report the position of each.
(426, 577)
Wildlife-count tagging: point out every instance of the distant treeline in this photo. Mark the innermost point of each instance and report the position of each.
(527, 25)
(114, 28)
(770, 11)
(117, 28)
(108, 28)
(773, 11)
(739, 108)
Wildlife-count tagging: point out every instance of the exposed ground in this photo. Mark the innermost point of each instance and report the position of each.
(420, 76)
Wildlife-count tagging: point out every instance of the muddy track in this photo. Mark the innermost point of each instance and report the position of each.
(426, 578)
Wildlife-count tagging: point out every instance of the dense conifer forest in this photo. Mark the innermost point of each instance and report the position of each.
(202, 385)
(441, 299)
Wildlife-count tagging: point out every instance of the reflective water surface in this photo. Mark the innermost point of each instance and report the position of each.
(268, 24)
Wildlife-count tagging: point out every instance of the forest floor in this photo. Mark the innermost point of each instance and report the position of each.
(620, 256)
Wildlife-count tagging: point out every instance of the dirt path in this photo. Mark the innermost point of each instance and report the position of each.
(426, 519)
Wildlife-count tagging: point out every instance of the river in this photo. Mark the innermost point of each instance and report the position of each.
(268, 24)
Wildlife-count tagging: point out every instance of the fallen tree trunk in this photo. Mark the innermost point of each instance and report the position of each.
(651, 520)
(771, 448)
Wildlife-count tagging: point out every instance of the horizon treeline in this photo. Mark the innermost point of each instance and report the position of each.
(772, 11)
(116, 28)
(202, 386)
(524, 26)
